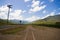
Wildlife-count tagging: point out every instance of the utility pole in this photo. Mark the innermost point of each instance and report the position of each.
(9, 6)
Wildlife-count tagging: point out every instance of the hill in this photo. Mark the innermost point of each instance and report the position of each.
(4, 22)
(49, 21)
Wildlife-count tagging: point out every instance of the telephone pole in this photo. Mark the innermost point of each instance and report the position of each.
(9, 6)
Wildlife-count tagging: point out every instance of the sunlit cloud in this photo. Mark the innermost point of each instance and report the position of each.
(58, 13)
(44, 11)
(50, 14)
(51, 0)
(15, 14)
(36, 3)
(35, 7)
(26, 0)
(32, 18)
(42, 2)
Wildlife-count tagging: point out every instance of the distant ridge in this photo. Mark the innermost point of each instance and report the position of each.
(4, 22)
(18, 21)
(48, 20)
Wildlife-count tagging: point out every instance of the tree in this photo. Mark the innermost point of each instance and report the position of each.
(20, 22)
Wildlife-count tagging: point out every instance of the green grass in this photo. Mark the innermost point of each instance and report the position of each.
(47, 24)
(13, 30)
(4, 22)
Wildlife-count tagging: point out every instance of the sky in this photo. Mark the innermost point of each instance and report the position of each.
(29, 10)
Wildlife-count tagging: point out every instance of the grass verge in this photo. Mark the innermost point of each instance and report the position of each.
(13, 30)
(48, 25)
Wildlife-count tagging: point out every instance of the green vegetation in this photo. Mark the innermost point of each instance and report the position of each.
(4, 22)
(52, 21)
(13, 30)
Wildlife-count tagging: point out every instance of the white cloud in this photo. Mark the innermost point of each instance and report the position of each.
(33, 18)
(3, 8)
(3, 15)
(51, 14)
(16, 17)
(24, 11)
(51, 0)
(26, 0)
(58, 13)
(35, 3)
(44, 11)
(36, 6)
(3, 12)
(42, 2)
(15, 14)
(45, 16)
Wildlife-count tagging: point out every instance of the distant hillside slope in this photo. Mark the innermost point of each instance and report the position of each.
(2, 22)
(18, 21)
(55, 18)
(48, 20)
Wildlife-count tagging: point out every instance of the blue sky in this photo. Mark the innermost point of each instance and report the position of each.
(29, 10)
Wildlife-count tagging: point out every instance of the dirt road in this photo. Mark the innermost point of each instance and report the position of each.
(31, 33)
